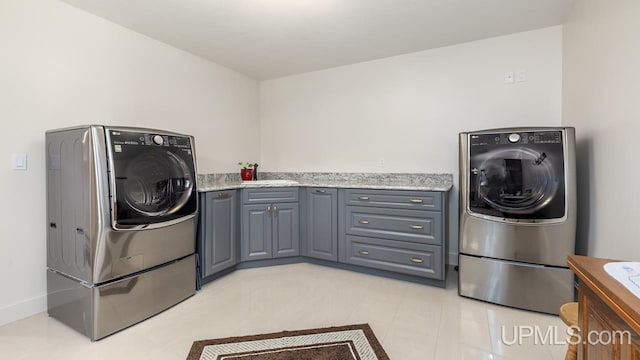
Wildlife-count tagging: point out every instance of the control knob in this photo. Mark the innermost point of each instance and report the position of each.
(158, 140)
(514, 138)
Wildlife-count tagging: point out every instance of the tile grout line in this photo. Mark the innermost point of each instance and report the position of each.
(395, 315)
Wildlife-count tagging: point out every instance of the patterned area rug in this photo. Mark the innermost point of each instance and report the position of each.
(353, 342)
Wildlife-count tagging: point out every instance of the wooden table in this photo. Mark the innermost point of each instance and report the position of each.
(609, 314)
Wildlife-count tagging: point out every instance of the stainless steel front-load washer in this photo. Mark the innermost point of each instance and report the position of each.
(517, 216)
(121, 225)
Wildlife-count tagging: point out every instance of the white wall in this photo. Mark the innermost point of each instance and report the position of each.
(601, 99)
(409, 109)
(60, 66)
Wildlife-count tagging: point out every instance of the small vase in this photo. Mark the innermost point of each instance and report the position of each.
(246, 174)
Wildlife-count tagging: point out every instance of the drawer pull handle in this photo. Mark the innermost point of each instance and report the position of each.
(417, 201)
(417, 260)
(363, 198)
(363, 252)
(321, 191)
(364, 222)
(417, 227)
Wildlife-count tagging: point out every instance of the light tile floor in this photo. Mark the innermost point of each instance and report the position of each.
(411, 321)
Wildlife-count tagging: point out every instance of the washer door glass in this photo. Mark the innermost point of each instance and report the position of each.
(156, 183)
(517, 181)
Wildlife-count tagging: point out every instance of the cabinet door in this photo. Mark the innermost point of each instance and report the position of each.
(286, 230)
(604, 333)
(321, 220)
(219, 247)
(256, 232)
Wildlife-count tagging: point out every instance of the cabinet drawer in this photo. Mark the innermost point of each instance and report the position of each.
(395, 224)
(270, 195)
(398, 199)
(407, 258)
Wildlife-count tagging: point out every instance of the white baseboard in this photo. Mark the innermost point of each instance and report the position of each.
(453, 259)
(23, 309)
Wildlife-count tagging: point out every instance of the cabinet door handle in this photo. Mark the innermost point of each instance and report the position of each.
(321, 191)
(275, 211)
(223, 195)
(417, 201)
(364, 222)
(363, 198)
(269, 211)
(417, 260)
(417, 227)
(363, 252)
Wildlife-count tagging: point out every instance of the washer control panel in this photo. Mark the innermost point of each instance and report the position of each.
(536, 137)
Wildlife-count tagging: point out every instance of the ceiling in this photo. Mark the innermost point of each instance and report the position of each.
(267, 39)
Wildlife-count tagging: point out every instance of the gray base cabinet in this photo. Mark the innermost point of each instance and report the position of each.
(219, 231)
(401, 232)
(320, 224)
(395, 230)
(270, 224)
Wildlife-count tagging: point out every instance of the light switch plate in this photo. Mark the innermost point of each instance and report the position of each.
(18, 161)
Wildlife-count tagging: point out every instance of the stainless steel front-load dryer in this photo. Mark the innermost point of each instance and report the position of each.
(517, 216)
(121, 224)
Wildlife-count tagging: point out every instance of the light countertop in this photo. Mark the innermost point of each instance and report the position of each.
(390, 181)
